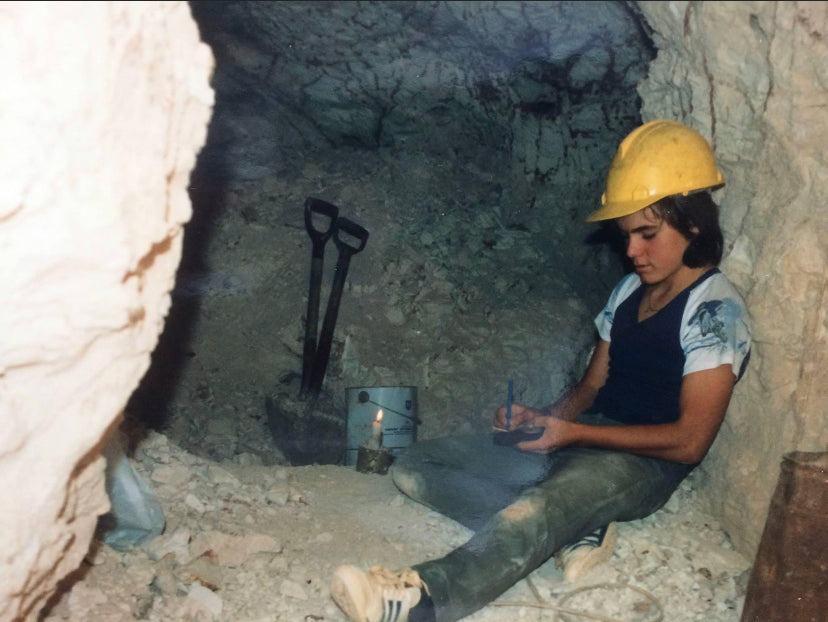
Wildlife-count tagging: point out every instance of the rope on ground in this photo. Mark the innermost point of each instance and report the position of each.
(543, 604)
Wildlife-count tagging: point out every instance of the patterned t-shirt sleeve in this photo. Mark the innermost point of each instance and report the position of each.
(715, 329)
(625, 287)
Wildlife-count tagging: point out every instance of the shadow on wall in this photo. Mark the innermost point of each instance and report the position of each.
(150, 402)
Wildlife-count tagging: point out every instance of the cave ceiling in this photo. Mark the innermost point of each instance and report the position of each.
(435, 76)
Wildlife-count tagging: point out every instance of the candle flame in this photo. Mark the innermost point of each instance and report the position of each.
(379, 415)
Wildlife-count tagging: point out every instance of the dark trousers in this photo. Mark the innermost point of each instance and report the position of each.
(523, 507)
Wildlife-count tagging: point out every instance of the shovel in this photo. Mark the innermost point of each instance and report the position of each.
(306, 427)
(319, 238)
(358, 236)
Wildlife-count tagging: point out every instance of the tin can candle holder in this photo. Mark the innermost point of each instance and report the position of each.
(371, 460)
(400, 420)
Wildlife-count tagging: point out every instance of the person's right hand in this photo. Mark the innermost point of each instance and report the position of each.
(521, 415)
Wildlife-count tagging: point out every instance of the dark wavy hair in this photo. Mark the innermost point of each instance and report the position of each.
(696, 217)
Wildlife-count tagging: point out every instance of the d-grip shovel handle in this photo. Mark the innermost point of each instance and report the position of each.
(354, 230)
(346, 251)
(318, 238)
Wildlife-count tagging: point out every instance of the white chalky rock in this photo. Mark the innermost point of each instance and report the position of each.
(293, 589)
(194, 502)
(233, 550)
(205, 598)
(176, 544)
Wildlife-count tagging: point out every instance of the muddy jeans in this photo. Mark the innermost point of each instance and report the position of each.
(522, 506)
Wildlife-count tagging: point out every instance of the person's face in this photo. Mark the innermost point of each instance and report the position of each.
(655, 248)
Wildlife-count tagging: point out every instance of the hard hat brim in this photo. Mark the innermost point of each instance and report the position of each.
(619, 210)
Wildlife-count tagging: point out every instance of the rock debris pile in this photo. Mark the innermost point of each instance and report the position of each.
(246, 542)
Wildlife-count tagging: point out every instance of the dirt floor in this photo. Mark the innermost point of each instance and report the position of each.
(245, 542)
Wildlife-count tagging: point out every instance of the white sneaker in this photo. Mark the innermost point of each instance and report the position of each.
(378, 595)
(578, 558)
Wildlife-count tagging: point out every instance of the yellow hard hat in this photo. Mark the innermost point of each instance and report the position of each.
(656, 160)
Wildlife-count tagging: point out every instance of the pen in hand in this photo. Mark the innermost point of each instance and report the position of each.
(522, 433)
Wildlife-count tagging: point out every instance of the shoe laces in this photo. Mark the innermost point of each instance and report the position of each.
(400, 579)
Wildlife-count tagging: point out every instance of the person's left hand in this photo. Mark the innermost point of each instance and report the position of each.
(557, 435)
(521, 415)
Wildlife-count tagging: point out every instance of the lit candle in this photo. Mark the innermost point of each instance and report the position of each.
(375, 441)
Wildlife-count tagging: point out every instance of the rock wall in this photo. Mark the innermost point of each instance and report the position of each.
(753, 77)
(533, 96)
(103, 108)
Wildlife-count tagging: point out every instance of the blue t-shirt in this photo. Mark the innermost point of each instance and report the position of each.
(705, 326)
